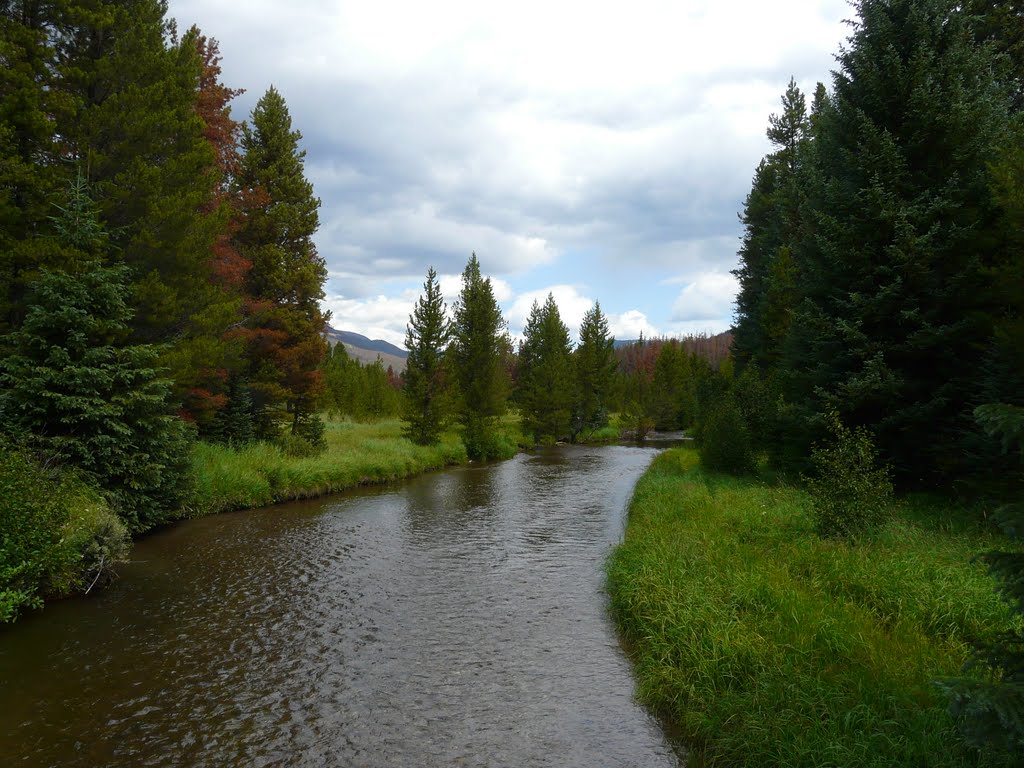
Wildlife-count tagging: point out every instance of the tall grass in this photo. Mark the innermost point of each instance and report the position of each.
(357, 454)
(766, 645)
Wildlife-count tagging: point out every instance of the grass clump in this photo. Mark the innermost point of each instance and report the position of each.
(599, 436)
(356, 454)
(768, 645)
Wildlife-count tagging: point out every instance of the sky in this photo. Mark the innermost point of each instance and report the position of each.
(598, 151)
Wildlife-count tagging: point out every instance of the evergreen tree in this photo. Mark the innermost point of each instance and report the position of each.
(208, 367)
(365, 392)
(893, 280)
(30, 106)
(425, 381)
(284, 342)
(667, 386)
(339, 394)
(991, 711)
(137, 133)
(595, 366)
(773, 219)
(479, 347)
(77, 385)
(545, 386)
(1001, 24)
(636, 376)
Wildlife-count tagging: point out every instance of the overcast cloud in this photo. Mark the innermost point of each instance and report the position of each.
(594, 151)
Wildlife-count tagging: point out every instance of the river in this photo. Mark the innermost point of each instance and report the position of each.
(457, 619)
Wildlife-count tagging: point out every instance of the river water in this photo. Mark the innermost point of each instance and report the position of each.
(458, 619)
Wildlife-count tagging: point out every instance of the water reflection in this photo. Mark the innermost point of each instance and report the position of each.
(456, 620)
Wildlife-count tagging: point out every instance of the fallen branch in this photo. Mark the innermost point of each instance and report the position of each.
(99, 570)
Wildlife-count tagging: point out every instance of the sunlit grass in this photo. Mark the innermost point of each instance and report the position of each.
(357, 454)
(768, 646)
(600, 436)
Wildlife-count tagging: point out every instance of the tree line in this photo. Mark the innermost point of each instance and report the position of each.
(464, 369)
(157, 264)
(879, 333)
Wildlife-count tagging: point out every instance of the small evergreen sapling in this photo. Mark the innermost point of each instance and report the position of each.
(426, 379)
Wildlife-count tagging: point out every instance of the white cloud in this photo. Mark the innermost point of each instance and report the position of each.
(630, 324)
(526, 132)
(451, 287)
(571, 307)
(379, 317)
(707, 298)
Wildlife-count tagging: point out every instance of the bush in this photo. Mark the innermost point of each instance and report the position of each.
(310, 427)
(56, 534)
(725, 439)
(850, 493)
(97, 537)
(31, 547)
(298, 447)
(487, 440)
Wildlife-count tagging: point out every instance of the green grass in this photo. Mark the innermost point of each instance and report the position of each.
(601, 436)
(763, 644)
(357, 454)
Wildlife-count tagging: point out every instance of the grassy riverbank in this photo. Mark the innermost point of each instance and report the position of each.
(357, 454)
(765, 645)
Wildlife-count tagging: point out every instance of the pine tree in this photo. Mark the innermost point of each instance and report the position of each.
(426, 378)
(480, 344)
(208, 367)
(893, 280)
(137, 134)
(991, 711)
(284, 342)
(30, 175)
(773, 219)
(81, 390)
(1000, 23)
(595, 365)
(667, 386)
(545, 385)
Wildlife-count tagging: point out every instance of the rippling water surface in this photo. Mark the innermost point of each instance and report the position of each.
(457, 619)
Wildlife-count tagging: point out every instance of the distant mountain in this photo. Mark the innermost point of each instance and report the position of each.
(368, 350)
(358, 340)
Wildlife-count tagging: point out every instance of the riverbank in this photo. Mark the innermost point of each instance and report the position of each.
(764, 645)
(357, 454)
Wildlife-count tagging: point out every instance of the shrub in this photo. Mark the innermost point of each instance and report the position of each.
(298, 447)
(56, 534)
(486, 440)
(850, 493)
(310, 427)
(31, 518)
(725, 439)
(97, 537)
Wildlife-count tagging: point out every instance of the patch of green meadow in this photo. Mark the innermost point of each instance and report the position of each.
(763, 644)
(357, 454)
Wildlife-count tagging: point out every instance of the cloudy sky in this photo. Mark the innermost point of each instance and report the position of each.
(599, 151)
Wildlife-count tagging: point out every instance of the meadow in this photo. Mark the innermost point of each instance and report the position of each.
(762, 644)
